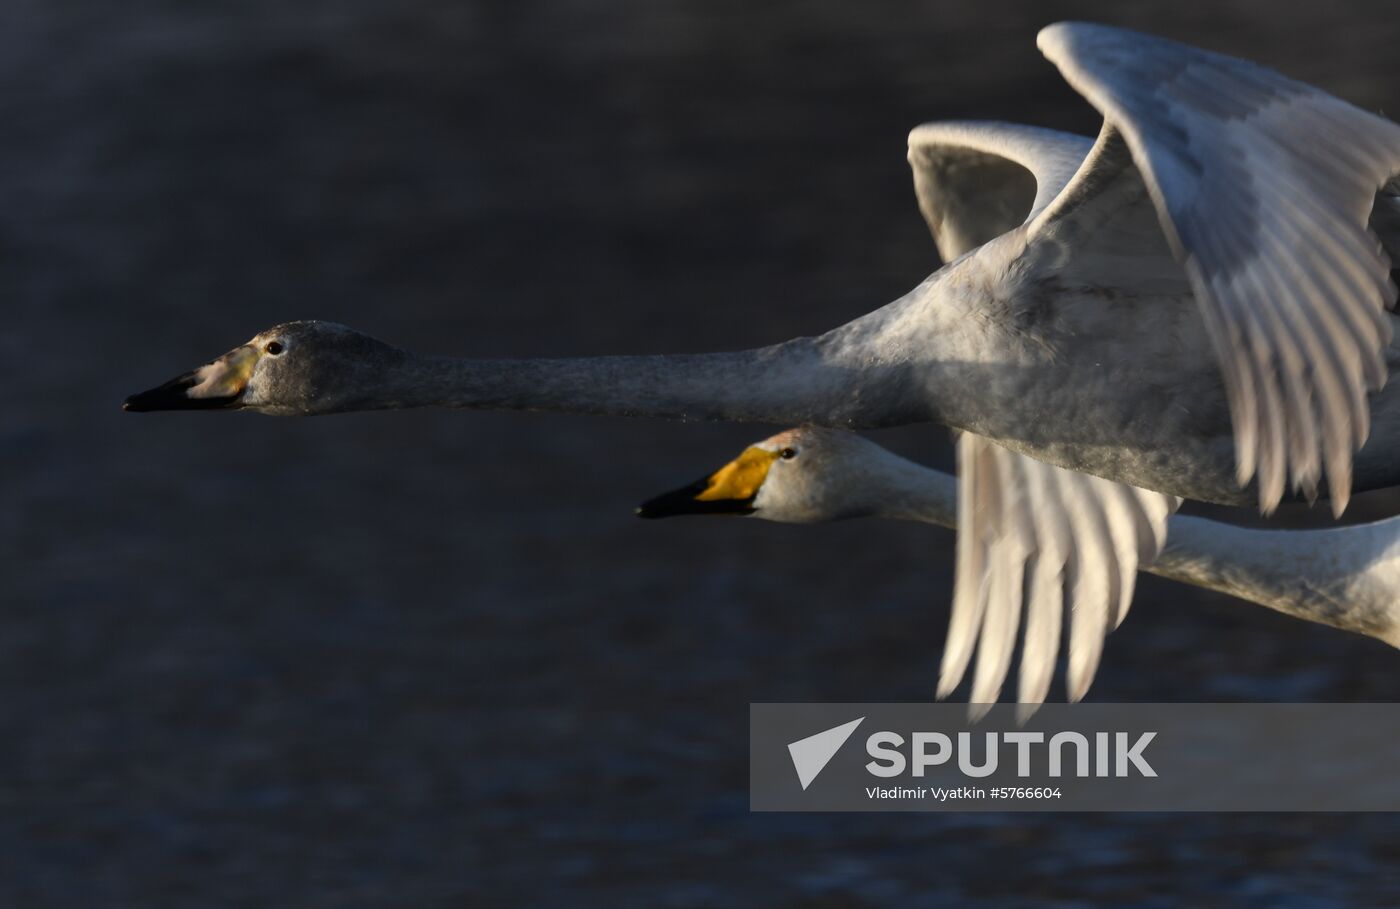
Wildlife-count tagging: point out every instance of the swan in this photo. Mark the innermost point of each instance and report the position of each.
(1345, 577)
(1063, 324)
(1193, 305)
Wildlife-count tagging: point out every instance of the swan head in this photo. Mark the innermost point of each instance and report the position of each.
(800, 476)
(296, 368)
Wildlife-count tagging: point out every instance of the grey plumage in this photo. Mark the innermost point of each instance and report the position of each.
(1263, 187)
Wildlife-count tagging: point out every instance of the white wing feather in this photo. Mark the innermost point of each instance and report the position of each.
(1263, 188)
(1078, 539)
(1028, 533)
(977, 180)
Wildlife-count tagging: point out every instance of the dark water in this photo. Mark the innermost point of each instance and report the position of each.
(424, 659)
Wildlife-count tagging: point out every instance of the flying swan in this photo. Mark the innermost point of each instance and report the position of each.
(1194, 305)
(1345, 577)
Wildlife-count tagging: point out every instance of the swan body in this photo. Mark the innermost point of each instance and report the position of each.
(1345, 577)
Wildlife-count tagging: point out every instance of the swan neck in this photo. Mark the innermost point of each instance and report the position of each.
(806, 380)
(1344, 577)
(906, 491)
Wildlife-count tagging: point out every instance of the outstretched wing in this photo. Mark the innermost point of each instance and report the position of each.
(977, 180)
(1027, 532)
(1030, 531)
(1263, 188)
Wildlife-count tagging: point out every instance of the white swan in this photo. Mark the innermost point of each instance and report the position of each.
(1188, 304)
(1345, 577)
(1069, 336)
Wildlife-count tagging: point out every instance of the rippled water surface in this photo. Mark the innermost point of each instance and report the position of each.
(420, 659)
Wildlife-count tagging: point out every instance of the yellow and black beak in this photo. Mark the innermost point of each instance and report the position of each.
(214, 386)
(729, 490)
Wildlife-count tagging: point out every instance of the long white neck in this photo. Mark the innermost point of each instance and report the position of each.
(893, 366)
(1346, 577)
(806, 380)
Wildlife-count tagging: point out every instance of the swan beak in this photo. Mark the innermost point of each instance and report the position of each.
(729, 490)
(217, 385)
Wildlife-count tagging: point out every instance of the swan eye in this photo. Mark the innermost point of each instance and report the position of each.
(787, 454)
(274, 348)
